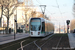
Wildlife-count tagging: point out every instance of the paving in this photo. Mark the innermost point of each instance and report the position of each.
(71, 37)
(6, 38)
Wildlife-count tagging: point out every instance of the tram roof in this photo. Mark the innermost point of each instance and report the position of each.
(43, 19)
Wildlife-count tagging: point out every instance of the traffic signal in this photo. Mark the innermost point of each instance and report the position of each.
(68, 21)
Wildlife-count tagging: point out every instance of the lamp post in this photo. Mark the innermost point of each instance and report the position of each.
(59, 27)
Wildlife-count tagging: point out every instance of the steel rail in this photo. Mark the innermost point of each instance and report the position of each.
(59, 42)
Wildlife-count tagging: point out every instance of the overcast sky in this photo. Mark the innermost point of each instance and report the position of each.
(63, 13)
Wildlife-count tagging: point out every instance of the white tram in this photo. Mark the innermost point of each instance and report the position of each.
(40, 27)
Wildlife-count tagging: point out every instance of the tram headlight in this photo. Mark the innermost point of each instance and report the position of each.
(38, 33)
(31, 33)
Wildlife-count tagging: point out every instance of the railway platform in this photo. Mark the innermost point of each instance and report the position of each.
(71, 37)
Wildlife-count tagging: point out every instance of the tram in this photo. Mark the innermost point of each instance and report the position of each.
(40, 27)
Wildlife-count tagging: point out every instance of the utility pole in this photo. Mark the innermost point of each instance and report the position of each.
(16, 20)
(15, 23)
(59, 27)
(64, 27)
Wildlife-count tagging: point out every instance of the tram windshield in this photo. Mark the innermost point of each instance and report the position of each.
(35, 24)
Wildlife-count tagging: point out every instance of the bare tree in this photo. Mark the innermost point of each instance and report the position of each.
(8, 6)
(74, 10)
(27, 4)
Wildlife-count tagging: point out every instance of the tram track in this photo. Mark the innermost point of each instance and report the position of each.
(32, 44)
(12, 45)
(59, 43)
(63, 45)
(56, 42)
(52, 42)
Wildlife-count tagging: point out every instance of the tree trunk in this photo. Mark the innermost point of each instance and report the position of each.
(1, 15)
(7, 25)
(0, 22)
(7, 31)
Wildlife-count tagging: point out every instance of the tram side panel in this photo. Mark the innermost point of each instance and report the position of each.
(45, 28)
(49, 28)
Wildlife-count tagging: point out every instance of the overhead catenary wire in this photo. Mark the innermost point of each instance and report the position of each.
(40, 3)
(46, 9)
(58, 7)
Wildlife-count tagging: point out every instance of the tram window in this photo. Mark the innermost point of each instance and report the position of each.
(43, 26)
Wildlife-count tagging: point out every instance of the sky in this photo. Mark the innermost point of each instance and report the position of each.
(61, 14)
(58, 11)
(55, 14)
